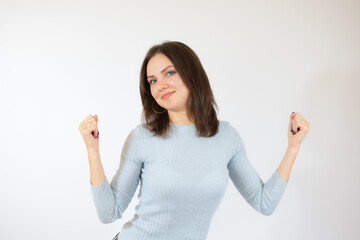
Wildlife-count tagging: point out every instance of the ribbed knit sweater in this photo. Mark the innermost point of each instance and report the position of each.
(182, 182)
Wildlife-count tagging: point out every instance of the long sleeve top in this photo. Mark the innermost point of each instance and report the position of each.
(182, 181)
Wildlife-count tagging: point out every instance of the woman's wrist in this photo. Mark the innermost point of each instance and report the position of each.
(92, 150)
(293, 148)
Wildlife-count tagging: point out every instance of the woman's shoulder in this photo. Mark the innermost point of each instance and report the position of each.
(228, 127)
(141, 129)
(138, 128)
(224, 124)
(135, 131)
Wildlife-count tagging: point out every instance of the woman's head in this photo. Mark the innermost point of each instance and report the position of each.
(163, 78)
(188, 81)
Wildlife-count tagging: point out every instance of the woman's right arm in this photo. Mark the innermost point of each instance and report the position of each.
(112, 198)
(88, 127)
(97, 175)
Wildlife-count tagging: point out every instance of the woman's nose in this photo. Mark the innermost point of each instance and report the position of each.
(162, 84)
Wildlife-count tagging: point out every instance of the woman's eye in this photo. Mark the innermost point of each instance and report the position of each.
(171, 72)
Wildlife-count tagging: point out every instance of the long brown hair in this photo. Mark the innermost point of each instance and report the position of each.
(200, 103)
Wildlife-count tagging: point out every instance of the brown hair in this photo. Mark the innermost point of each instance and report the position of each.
(200, 103)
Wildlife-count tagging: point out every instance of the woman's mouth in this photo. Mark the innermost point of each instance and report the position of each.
(167, 95)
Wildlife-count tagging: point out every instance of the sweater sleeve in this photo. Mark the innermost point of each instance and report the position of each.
(111, 199)
(263, 197)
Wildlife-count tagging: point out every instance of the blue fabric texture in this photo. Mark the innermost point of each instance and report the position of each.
(182, 181)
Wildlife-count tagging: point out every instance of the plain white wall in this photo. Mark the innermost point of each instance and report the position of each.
(63, 60)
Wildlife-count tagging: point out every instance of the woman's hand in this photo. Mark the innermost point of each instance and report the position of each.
(90, 133)
(300, 128)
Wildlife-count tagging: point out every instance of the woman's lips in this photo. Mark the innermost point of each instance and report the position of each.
(167, 95)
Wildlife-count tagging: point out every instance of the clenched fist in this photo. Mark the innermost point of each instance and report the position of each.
(90, 133)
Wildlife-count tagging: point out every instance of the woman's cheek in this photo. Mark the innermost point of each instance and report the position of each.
(154, 93)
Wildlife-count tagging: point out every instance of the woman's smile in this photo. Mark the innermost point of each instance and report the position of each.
(167, 95)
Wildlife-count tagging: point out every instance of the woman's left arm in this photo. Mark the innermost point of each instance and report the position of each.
(297, 130)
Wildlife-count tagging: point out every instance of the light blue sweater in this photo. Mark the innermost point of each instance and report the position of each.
(182, 182)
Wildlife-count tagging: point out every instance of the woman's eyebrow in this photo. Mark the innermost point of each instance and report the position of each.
(161, 71)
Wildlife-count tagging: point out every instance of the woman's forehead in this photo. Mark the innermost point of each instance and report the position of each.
(157, 64)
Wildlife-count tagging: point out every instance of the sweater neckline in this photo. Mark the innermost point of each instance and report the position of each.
(182, 128)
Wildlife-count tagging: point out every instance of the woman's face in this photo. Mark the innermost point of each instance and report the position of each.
(164, 79)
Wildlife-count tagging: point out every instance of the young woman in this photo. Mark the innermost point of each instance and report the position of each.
(181, 154)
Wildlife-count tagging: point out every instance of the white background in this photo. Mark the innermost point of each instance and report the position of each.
(63, 60)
